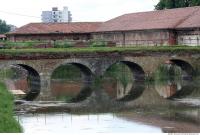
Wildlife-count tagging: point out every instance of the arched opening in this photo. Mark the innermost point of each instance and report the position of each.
(124, 81)
(186, 68)
(23, 81)
(174, 79)
(71, 82)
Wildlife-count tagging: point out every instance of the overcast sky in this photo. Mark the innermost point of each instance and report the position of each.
(82, 10)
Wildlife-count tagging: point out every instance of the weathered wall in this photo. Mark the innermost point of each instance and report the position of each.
(134, 38)
(189, 37)
(124, 38)
(49, 37)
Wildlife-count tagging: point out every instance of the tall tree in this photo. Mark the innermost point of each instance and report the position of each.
(4, 27)
(168, 4)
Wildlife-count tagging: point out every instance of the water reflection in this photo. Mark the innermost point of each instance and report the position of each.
(23, 81)
(170, 89)
(116, 90)
(69, 91)
(88, 123)
(146, 112)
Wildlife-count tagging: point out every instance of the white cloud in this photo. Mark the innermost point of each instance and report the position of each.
(82, 10)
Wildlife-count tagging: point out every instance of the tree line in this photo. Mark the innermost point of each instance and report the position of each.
(4, 27)
(169, 4)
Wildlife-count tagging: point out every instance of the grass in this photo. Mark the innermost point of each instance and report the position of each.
(6, 73)
(171, 49)
(8, 123)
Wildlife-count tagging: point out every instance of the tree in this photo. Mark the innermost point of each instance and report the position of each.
(169, 4)
(4, 27)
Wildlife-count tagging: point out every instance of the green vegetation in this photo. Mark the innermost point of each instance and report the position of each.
(52, 44)
(166, 72)
(68, 72)
(24, 45)
(169, 4)
(8, 124)
(160, 49)
(98, 43)
(6, 73)
(121, 73)
(4, 27)
(63, 44)
(65, 98)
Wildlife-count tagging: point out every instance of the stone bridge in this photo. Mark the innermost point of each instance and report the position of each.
(41, 66)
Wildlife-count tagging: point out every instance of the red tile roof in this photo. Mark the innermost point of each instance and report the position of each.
(46, 28)
(162, 19)
(2, 36)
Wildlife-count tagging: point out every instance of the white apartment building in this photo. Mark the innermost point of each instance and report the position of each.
(56, 15)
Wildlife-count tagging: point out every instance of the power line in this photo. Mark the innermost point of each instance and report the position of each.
(12, 13)
(18, 14)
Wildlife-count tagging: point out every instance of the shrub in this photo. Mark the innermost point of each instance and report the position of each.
(98, 43)
(8, 123)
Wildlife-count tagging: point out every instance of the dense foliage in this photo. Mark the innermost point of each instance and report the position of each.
(8, 123)
(4, 27)
(169, 4)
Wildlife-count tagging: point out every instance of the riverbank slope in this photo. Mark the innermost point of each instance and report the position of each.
(8, 123)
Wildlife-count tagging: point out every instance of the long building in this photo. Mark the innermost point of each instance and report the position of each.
(55, 31)
(164, 27)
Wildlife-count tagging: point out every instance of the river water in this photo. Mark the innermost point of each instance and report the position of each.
(119, 110)
(91, 123)
(115, 103)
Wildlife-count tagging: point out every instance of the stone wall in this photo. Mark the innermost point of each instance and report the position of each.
(97, 63)
(137, 38)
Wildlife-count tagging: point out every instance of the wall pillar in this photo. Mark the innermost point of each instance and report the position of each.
(172, 38)
(124, 39)
(45, 90)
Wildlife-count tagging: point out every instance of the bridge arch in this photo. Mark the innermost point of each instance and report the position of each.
(77, 90)
(185, 66)
(133, 88)
(85, 70)
(136, 69)
(33, 80)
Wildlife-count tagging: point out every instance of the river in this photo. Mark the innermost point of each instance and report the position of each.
(111, 111)
(91, 123)
(115, 103)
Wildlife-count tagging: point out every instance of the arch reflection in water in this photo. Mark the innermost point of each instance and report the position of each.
(187, 69)
(124, 81)
(171, 89)
(23, 81)
(71, 83)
